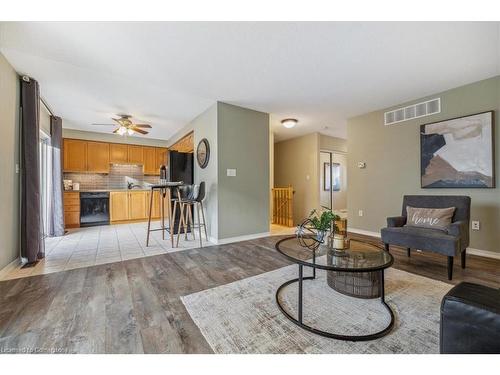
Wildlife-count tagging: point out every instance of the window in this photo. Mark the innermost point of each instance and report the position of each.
(45, 181)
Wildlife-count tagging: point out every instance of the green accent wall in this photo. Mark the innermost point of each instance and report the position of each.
(239, 139)
(243, 144)
(392, 156)
(9, 156)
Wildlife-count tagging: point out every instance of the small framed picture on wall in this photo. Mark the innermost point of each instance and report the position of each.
(335, 170)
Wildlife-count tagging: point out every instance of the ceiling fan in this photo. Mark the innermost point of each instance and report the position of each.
(126, 126)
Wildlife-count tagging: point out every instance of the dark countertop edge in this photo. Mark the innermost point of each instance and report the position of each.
(104, 190)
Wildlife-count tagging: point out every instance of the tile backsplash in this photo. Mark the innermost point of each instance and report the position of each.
(119, 175)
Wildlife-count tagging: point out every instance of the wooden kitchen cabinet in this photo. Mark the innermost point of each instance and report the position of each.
(75, 155)
(149, 155)
(156, 204)
(161, 158)
(71, 202)
(137, 205)
(119, 205)
(118, 153)
(135, 155)
(98, 157)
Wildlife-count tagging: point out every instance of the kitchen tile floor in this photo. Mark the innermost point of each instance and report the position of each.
(90, 246)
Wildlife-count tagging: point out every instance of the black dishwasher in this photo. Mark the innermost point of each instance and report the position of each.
(94, 208)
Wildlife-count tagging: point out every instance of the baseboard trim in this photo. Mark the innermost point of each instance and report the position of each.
(9, 267)
(363, 232)
(470, 250)
(483, 253)
(247, 237)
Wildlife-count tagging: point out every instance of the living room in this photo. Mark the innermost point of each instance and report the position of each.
(339, 196)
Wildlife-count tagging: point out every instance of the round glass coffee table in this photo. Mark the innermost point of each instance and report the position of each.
(357, 272)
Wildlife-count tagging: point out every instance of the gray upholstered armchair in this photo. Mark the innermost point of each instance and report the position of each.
(451, 242)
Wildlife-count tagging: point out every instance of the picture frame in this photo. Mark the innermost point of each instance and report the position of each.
(458, 152)
(336, 176)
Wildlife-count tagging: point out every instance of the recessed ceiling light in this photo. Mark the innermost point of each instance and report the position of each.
(289, 122)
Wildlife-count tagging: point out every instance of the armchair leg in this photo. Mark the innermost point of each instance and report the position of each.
(386, 246)
(408, 252)
(450, 268)
(463, 258)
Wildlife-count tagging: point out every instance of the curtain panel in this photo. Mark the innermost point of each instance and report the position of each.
(32, 243)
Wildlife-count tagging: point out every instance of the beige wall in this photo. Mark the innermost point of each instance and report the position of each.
(392, 156)
(243, 144)
(9, 157)
(112, 138)
(332, 143)
(296, 163)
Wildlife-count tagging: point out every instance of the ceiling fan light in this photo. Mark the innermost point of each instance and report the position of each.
(122, 130)
(289, 122)
(130, 131)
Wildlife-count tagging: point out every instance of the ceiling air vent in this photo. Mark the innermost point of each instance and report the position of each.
(413, 111)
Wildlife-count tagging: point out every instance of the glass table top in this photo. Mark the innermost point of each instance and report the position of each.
(361, 256)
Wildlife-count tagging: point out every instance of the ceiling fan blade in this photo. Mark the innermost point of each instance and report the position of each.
(137, 130)
(143, 126)
(115, 131)
(118, 120)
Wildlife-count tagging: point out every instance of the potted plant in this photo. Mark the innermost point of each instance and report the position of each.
(323, 223)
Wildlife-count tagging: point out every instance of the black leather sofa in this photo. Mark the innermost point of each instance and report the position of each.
(452, 242)
(470, 320)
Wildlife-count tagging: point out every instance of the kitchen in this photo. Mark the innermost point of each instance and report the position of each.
(108, 183)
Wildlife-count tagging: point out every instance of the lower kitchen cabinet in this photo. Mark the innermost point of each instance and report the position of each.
(119, 205)
(133, 205)
(137, 205)
(156, 204)
(71, 202)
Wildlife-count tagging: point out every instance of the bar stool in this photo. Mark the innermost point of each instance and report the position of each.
(184, 195)
(195, 200)
(165, 194)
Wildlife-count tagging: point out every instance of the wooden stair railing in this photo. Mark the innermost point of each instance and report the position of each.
(283, 206)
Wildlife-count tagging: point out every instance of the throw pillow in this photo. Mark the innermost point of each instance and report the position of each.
(435, 218)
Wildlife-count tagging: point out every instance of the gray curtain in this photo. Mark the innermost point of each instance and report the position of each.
(56, 224)
(32, 243)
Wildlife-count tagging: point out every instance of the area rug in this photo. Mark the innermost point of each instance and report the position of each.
(243, 317)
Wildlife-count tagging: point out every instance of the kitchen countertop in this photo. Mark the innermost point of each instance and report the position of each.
(106, 190)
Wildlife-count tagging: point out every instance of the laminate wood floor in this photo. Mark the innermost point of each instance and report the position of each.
(134, 306)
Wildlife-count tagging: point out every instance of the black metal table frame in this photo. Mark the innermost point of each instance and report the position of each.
(300, 280)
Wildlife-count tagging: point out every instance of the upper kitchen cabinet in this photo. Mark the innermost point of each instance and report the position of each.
(75, 155)
(98, 157)
(135, 155)
(149, 155)
(161, 159)
(118, 153)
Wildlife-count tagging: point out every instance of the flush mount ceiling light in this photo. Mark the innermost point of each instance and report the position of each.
(289, 122)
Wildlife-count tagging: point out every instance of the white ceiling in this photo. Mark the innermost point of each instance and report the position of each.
(166, 73)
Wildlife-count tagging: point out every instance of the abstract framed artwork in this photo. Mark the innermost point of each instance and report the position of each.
(335, 179)
(458, 153)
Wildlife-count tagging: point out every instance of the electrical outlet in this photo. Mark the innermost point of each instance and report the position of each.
(475, 225)
(361, 164)
(17, 168)
(360, 213)
(231, 172)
